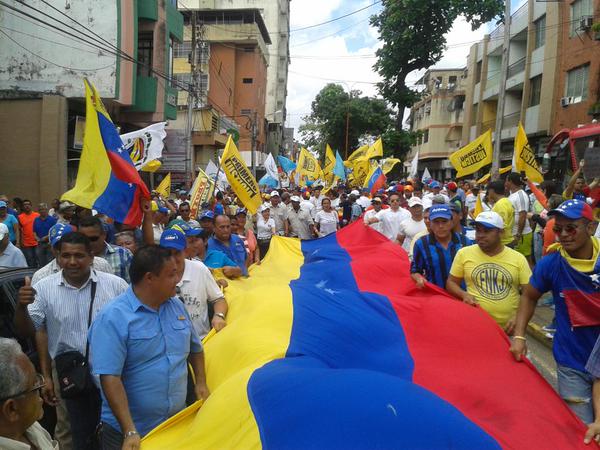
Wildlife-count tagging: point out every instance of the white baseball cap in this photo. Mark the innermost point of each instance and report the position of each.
(490, 219)
(295, 198)
(274, 193)
(413, 201)
(354, 192)
(3, 231)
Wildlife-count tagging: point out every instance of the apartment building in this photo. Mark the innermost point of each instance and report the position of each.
(438, 117)
(123, 47)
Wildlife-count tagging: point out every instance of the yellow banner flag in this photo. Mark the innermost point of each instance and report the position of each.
(473, 156)
(164, 188)
(388, 164)
(375, 150)
(478, 207)
(524, 158)
(487, 176)
(503, 170)
(308, 166)
(201, 192)
(240, 178)
(329, 164)
(360, 170)
(361, 152)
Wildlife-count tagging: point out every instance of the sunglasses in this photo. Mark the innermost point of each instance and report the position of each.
(93, 238)
(569, 229)
(40, 383)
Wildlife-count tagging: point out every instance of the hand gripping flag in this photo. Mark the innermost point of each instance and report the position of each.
(240, 178)
(473, 156)
(107, 180)
(329, 345)
(524, 157)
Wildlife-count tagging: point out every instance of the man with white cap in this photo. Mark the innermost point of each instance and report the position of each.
(493, 273)
(370, 213)
(10, 256)
(301, 224)
(391, 218)
(279, 213)
(364, 201)
(413, 225)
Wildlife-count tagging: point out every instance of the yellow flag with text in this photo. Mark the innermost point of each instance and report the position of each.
(361, 152)
(388, 164)
(473, 156)
(308, 166)
(240, 178)
(164, 188)
(360, 170)
(375, 150)
(524, 158)
(329, 164)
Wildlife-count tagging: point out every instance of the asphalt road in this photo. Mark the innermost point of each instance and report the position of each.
(541, 357)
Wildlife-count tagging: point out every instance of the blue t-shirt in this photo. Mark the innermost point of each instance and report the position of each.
(9, 222)
(572, 345)
(219, 209)
(215, 259)
(41, 227)
(236, 250)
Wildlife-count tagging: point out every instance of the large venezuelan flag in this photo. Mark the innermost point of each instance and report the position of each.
(107, 180)
(330, 346)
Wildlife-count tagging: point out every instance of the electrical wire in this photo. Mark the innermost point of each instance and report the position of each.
(336, 18)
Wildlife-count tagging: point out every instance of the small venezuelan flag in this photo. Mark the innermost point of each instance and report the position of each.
(107, 180)
(375, 180)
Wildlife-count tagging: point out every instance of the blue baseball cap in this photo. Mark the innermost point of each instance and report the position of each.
(184, 228)
(163, 210)
(435, 185)
(440, 212)
(3, 204)
(57, 231)
(207, 215)
(173, 239)
(574, 209)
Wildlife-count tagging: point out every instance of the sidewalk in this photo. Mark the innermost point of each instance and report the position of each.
(543, 316)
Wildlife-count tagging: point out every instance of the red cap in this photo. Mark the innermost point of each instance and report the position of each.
(452, 186)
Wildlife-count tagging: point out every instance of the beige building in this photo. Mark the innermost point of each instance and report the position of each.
(438, 116)
(530, 84)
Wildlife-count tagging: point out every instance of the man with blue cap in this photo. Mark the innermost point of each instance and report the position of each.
(571, 271)
(433, 253)
(494, 273)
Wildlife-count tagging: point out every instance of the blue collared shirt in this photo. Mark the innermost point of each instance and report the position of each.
(236, 250)
(148, 349)
(12, 257)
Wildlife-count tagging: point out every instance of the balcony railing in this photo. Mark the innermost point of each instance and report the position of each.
(516, 67)
(511, 120)
(492, 81)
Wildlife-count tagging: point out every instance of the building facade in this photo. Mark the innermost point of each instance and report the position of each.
(438, 118)
(123, 47)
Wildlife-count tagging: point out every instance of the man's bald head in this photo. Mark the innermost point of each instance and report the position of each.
(222, 228)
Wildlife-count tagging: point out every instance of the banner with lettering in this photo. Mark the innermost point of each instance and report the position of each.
(360, 152)
(524, 157)
(473, 156)
(308, 166)
(201, 192)
(388, 164)
(240, 178)
(328, 165)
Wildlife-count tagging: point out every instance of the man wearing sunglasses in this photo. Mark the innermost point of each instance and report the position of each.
(20, 401)
(572, 272)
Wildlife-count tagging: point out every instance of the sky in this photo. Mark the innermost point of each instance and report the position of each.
(343, 51)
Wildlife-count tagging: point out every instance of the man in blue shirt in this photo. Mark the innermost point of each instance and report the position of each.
(230, 244)
(572, 273)
(41, 227)
(140, 345)
(433, 253)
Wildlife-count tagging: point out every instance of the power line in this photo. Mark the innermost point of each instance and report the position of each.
(336, 18)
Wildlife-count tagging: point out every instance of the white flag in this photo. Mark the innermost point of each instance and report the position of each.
(413, 166)
(426, 176)
(212, 170)
(145, 145)
(271, 167)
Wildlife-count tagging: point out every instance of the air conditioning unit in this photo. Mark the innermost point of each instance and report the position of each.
(565, 101)
(576, 99)
(586, 23)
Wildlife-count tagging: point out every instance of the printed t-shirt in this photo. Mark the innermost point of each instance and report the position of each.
(505, 209)
(493, 280)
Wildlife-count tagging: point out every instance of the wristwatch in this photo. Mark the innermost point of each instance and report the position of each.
(131, 433)
(221, 315)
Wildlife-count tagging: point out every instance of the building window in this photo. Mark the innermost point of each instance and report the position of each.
(536, 91)
(247, 80)
(425, 136)
(577, 82)
(540, 31)
(245, 112)
(183, 49)
(182, 80)
(579, 10)
(145, 48)
(203, 81)
(478, 72)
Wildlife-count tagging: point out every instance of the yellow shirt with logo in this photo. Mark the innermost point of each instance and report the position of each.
(493, 280)
(505, 209)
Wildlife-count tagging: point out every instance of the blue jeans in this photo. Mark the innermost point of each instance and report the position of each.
(30, 254)
(575, 388)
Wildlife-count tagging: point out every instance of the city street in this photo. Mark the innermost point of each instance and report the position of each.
(541, 357)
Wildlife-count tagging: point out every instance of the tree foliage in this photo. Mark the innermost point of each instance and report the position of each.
(369, 118)
(413, 34)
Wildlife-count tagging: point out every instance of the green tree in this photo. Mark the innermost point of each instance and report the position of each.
(368, 119)
(413, 34)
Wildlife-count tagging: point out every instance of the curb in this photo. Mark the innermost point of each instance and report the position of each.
(538, 334)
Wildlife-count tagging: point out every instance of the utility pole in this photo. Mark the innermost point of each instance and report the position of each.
(502, 92)
(191, 100)
(253, 150)
(347, 128)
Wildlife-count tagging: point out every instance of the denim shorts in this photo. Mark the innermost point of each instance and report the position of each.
(575, 388)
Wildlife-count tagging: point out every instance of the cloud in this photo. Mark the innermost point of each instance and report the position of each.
(347, 54)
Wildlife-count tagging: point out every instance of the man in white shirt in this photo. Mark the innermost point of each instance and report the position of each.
(364, 201)
(317, 198)
(391, 218)
(522, 232)
(369, 214)
(412, 226)
(301, 224)
(436, 189)
(279, 213)
(307, 205)
(197, 287)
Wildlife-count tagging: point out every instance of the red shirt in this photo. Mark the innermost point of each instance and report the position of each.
(27, 235)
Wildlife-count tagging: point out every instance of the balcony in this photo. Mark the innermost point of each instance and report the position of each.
(148, 9)
(492, 87)
(509, 125)
(516, 75)
(516, 68)
(519, 19)
(145, 94)
(170, 103)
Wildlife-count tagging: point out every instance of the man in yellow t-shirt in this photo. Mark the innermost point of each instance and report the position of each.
(497, 195)
(493, 273)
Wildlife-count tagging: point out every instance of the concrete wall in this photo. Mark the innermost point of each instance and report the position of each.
(33, 141)
(19, 68)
